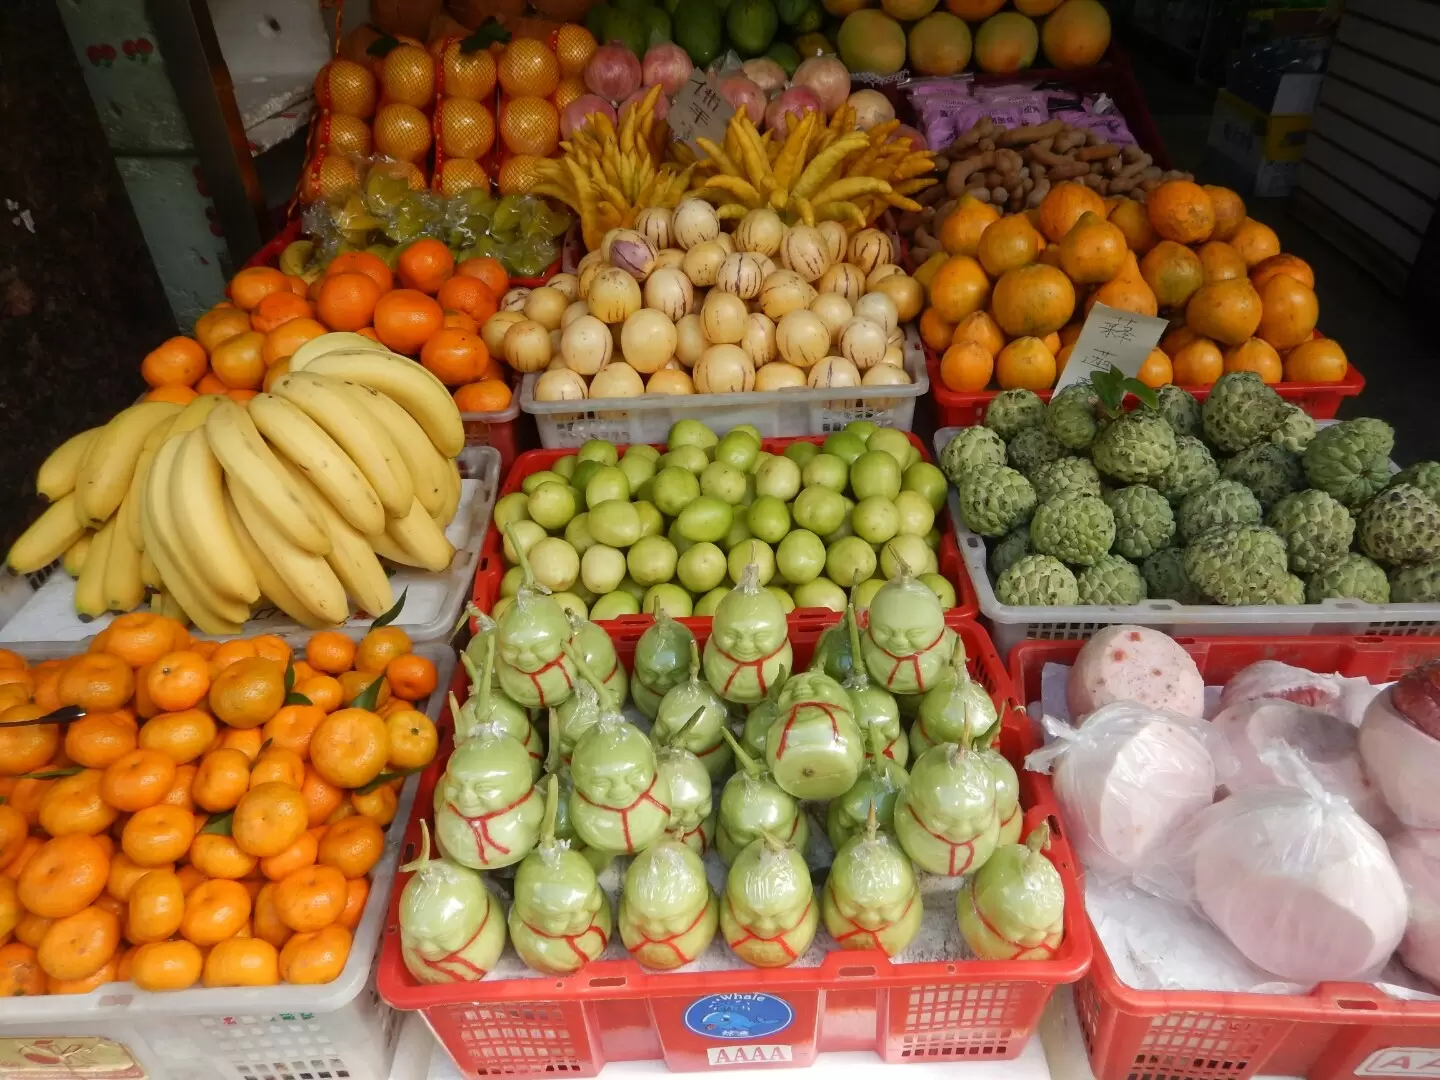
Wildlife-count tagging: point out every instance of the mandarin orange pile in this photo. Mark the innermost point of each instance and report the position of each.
(199, 824)
(429, 308)
(1009, 296)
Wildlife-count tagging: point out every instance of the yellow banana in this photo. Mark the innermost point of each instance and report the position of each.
(352, 558)
(308, 576)
(149, 572)
(56, 477)
(453, 491)
(162, 603)
(339, 341)
(421, 539)
(211, 612)
(90, 585)
(74, 559)
(325, 401)
(49, 537)
(428, 470)
(252, 467)
(302, 442)
(388, 548)
(123, 587)
(414, 388)
(196, 487)
(271, 587)
(130, 506)
(110, 461)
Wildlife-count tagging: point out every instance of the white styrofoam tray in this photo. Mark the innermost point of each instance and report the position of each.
(1011, 625)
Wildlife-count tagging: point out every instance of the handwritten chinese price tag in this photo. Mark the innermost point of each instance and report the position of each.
(1111, 337)
(698, 110)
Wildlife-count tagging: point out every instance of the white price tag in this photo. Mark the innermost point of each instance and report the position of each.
(699, 110)
(1111, 337)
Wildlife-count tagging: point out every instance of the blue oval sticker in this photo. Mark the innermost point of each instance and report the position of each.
(739, 1016)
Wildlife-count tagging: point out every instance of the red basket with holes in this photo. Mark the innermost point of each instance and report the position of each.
(615, 1010)
(1337, 1030)
(492, 557)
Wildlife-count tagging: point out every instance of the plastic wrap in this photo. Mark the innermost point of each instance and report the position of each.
(1138, 664)
(449, 931)
(1126, 779)
(1400, 746)
(1292, 876)
(1417, 857)
(1345, 699)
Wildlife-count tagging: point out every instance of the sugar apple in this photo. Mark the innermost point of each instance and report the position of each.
(1401, 525)
(1271, 472)
(1240, 411)
(1165, 578)
(1351, 459)
(1075, 527)
(1010, 549)
(1242, 564)
(1031, 448)
(1070, 416)
(1295, 430)
(1113, 579)
(1423, 474)
(1179, 408)
(1221, 505)
(1192, 469)
(1012, 411)
(1289, 591)
(1351, 577)
(1144, 522)
(1418, 584)
(1037, 581)
(1066, 474)
(994, 499)
(1136, 447)
(970, 447)
(1316, 529)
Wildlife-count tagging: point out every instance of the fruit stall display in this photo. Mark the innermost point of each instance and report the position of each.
(1241, 514)
(1009, 293)
(209, 825)
(1301, 876)
(716, 877)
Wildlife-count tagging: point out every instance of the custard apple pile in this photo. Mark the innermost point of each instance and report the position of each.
(1242, 499)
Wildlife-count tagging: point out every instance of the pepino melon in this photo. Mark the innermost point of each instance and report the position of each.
(939, 44)
(1077, 34)
(1006, 43)
(871, 41)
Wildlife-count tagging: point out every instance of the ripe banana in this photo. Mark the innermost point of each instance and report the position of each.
(414, 388)
(429, 470)
(453, 491)
(252, 467)
(90, 585)
(123, 586)
(389, 549)
(111, 458)
(164, 604)
(211, 612)
(338, 341)
(57, 474)
(195, 414)
(308, 576)
(302, 442)
(47, 539)
(421, 539)
(196, 486)
(271, 587)
(351, 557)
(74, 559)
(355, 430)
(191, 417)
(149, 572)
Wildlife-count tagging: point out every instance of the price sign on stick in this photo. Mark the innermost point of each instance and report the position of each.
(1111, 337)
(699, 110)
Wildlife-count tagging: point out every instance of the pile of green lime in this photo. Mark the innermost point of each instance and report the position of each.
(614, 535)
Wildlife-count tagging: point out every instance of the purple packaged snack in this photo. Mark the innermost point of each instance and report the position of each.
(1110, 127)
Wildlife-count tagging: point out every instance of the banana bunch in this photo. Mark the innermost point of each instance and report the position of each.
(819, 172)
(290, 501)
(607, 178)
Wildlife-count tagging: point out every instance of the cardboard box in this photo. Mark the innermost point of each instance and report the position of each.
(1268, 145)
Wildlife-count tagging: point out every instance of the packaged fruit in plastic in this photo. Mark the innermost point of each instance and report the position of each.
(668, 912)
(906, 642)
(955, 709)
(814, 748)
(488, 707)
(686, 787)
(768, 914)
(946, 819)
(1013, 907)
(692, 715)
(871, 898)
(487, 813)
(616, 805)
(752, 802)
(662, 656)
(877, 787)
(451, 928)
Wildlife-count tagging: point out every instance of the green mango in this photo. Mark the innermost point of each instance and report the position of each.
(625, 28)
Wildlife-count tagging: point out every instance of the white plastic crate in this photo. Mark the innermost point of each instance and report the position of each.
(41, 607)
(648, 419)
(1011, 625)
(339, 1031)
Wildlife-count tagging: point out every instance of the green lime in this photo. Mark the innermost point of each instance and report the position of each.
(651, 523)
(738, 448)
(941, 588)
(613, 606)
(927, 480)
(606, 483)
(724, 482)
(598, 450)
(819, 509)
(615, 522)
(708, 603)
(801, 452)
(875, 519)
(916, 515)
(701, 568)
(866, 592)
(826, 470)
(551, 505)
(822, 592)
(637, 468)
(651, 560)
(690, 433)
(673, 489)
(690, 458)
(845, 446)
(787, 602)
(577, 531)
(565, 466)
(769, 519)
(850, 561)
(511, 582)
(508, 508)
(800, 557)
(526, 533)
(671, 599)
(874, 473)
(535, 479)
(913, 550)
(862, 429)
(602, 568)
(705, 518)
(752, 551)
(778, 476)
(895, 443)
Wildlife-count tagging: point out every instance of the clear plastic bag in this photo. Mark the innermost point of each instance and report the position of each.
(1126, 779)
(1340, 697)
(1292, 876)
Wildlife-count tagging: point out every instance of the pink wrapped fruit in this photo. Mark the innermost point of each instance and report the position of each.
(1400, 745)
(1417, 856)
(1342, 698)
(1134, 663)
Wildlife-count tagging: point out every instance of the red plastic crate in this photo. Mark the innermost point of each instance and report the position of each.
(492, 558)
(1337, 1030)
(615, 1010)
(955, 408)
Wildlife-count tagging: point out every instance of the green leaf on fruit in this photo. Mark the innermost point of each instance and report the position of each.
(382, 45)
(489, 31)
(391, 615)
(219, 824)
(367, 698)
(51, 774)
(297, 699)
(290, 675)
(383, 779)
